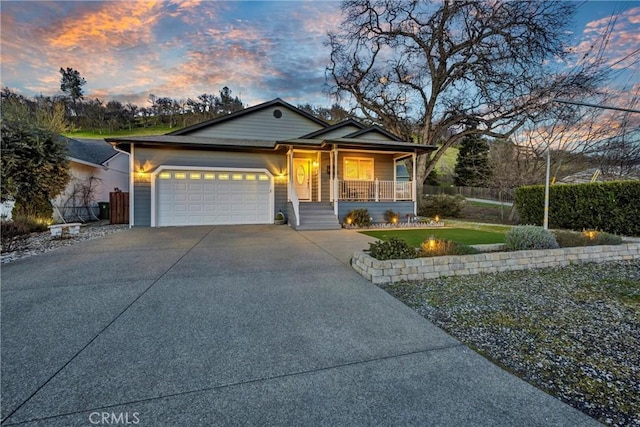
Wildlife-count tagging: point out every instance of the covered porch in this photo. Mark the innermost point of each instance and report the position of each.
(343, 177)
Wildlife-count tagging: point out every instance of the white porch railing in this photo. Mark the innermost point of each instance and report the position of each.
(376, 191)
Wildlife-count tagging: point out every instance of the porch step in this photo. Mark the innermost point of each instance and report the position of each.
(317, 216)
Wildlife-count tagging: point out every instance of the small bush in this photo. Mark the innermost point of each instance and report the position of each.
(358, 217)
(442, 247)
(13, 235)
(568, 239)
(394, 248)
(391, 217)
(443, 205)
(524, 237)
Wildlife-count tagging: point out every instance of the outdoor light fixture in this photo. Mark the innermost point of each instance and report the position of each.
(315, 164)
(432, 243)
(437, 218)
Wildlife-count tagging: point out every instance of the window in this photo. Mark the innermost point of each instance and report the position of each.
(358, 169)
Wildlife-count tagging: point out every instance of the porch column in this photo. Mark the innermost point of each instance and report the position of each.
(318, 171)
(414, 158)
(336, 195)
(289, 172)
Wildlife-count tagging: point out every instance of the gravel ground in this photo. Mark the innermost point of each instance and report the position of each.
(38, 243)
(574, 332)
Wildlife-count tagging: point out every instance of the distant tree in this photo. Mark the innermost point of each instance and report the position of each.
(335, 114)
(131, 111)
(227, 104)
(33, 165)
(43, 111)
(472, 166)
(71, 83)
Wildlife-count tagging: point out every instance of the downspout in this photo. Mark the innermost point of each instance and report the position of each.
(131, 178)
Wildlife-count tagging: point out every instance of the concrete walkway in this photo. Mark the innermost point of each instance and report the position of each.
(251, 325)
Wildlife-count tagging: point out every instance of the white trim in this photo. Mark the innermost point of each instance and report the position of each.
(84, 162)
(318, 170)
(161, 168)
(414, 159)
(353, 150)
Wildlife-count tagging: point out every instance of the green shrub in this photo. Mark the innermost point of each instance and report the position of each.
(391, 217)
(524, 237)
(358, 217)
(443, 205)
(394, 248)
(568, 239)
(609, 206)
(441, 247)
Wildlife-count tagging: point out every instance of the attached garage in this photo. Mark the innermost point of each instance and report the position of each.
(207, 196)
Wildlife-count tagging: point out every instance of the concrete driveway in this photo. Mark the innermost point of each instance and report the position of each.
(251, 325)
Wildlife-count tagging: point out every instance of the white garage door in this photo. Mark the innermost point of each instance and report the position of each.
(213, 197)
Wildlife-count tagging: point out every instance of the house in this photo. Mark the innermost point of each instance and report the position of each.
(96, 170)
(245, 167)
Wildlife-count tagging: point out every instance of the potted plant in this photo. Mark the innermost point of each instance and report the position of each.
(280, 218)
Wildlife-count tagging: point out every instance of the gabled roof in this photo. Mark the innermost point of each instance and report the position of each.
(348, 122)
(94, 151)
(376, 129)
(249, 110)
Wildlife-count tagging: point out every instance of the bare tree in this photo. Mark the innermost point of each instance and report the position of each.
(455, 68)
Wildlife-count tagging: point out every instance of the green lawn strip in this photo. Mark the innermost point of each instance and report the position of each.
(416, 236)
(155, 130)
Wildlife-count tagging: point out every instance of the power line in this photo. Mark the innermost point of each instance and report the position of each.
(604, 107)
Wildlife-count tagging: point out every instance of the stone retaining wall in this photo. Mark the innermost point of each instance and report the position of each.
(491, 262)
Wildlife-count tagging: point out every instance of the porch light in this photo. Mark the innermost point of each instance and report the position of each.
(315, 164)
(141, 172)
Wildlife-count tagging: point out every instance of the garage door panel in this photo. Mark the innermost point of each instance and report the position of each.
(217, 197)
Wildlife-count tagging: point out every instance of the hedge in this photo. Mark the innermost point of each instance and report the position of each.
(613, 206)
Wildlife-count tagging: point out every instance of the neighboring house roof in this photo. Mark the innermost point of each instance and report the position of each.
(94, 151)
(249, 110)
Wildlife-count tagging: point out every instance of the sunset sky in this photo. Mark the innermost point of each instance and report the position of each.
(127, 50)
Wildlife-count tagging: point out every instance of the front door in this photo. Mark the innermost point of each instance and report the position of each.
(302, 178)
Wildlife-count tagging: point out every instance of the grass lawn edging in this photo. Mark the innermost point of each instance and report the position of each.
(396, 270)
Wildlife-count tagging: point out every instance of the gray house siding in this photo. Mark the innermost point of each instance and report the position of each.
(376, 210)
(339, 133)
(142, 204)
(262, 125)
(152, 158)
(325, 183)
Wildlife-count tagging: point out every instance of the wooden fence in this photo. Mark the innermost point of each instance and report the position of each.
(119, 208)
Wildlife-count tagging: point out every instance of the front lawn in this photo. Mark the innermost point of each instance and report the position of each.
(414, 237)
